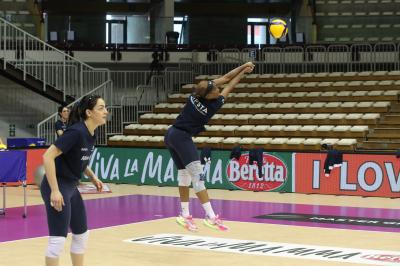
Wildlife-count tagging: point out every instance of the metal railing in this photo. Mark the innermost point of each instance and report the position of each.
(47, 64)
(146, 96)
(45, 129)
(114, 121)
(298, 59)
(38, 60)
(137, 97)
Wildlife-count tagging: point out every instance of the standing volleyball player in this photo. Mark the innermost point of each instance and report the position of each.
(61, 123)
(204, 102)
(64, 163)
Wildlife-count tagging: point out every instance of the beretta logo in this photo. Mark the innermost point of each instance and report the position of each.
(246, 177)
(382, 257)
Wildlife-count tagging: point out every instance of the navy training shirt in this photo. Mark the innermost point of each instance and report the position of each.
(60, 125)
(196, 113)
(77, 145)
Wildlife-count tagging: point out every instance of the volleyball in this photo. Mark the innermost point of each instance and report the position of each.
(38, 175)
(278, 28)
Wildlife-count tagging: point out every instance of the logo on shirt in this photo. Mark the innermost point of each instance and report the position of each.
(85, 150)
(85, 158)
(198, 105)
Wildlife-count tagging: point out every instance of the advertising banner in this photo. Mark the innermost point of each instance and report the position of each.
(155, 167)
(359, 175)
(33, 161)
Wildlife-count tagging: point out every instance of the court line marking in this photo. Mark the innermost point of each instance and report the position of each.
(276, 249)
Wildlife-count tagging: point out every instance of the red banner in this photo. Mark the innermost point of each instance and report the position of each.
(360, 175)
(34, 160)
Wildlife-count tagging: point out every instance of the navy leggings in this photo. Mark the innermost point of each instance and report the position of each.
(73, 214)
(181, 146)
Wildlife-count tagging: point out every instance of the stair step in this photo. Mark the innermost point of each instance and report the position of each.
(385, 129)
(390, 124)
(394, 108)
(384, 137)
(385, 133)
(15, 74)
(379, 145)
(383, 140)
(392, 117)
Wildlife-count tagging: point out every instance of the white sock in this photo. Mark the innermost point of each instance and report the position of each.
(209, 210)
(185, 209)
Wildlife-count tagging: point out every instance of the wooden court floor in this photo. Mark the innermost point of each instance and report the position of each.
(137, 212)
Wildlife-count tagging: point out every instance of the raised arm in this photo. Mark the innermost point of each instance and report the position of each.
(232, 83)
(232, 74)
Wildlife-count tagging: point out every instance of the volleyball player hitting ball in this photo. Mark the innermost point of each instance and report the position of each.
(200, 106)
(64, 163)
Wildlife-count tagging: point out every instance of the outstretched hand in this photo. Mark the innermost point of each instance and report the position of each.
(249, 67)
(248, 70)
(249, 64)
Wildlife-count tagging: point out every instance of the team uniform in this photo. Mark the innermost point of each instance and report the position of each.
(77, 145)
(191, 121)
(178, 139)
(60, 125)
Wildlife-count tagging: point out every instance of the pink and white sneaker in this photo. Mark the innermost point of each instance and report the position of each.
(187, 222)
(215, 223)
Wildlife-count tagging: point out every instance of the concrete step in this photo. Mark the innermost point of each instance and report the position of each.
(392, 124)
(379, 145)
(388, 137)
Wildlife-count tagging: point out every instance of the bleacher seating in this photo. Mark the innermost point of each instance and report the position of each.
(351, 110)
(374, 20)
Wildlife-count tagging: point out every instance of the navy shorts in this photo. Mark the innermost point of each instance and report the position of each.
(73, 214)
(181, 146)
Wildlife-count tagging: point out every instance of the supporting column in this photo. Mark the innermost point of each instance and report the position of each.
(162, 16)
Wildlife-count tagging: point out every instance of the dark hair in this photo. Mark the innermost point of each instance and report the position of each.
(203, 88)
(78, 112)
(60, 109)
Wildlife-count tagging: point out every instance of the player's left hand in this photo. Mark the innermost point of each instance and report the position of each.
(98, 184)
(248, 70)
(249, 64)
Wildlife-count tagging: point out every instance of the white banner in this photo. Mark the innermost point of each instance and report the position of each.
(298, 251)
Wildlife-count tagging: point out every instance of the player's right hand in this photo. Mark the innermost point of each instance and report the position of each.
(249, 64)
(56, 200)
(248, 70)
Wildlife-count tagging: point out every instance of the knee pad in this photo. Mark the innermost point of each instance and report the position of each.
(55, 246)
(184, 179)
(195, 170)
(79, 243)
(198, 186)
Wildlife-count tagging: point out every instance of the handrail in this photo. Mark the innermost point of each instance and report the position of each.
(46, 63)
(45, 128)
(2, 20)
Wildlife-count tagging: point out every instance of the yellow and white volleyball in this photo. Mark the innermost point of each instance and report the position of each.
(3, 146)
(278, 28)
(38, 175)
